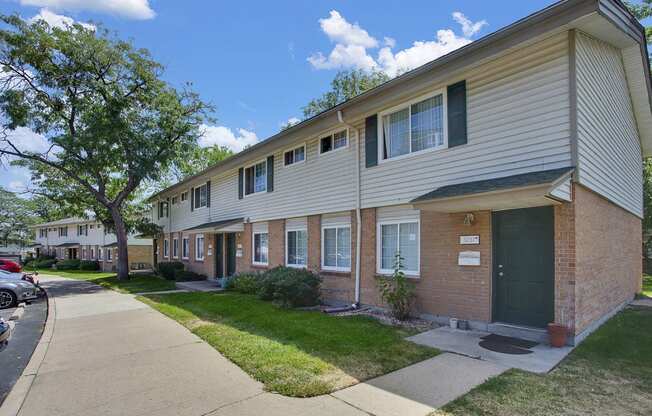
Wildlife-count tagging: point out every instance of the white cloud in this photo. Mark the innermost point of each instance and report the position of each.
(339, 30)
(132, 9)
(57, 20)
(353, 43)
(28, 141)
(293, 120)
(224, 136)
(17, 186)
(469, 28)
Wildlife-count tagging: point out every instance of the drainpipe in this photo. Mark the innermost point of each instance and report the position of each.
(358, 215)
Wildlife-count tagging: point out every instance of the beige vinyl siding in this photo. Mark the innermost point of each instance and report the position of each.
(563, 191)
(609, 152)
(518, 122)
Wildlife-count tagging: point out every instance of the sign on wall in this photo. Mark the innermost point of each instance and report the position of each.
(469, 239)
(468, 258)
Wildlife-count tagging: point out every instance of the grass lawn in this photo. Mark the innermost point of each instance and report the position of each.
(136, 284)
(610, 373)
(295, 353)
(647, 285)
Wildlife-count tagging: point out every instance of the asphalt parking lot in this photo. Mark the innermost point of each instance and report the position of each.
(24, 339)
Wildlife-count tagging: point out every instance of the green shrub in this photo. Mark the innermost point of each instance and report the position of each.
(44, 264)
(90, 265)
(397, 291)
(247, 283)
(187, 275)
(168, 269)
(70, 264)
(290, 287)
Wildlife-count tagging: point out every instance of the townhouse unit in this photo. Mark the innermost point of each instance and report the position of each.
(507, 174)
(88, 239)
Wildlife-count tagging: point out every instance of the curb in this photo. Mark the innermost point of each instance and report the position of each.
(16, 397)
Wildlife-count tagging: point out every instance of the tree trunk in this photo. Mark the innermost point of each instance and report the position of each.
(121, 236)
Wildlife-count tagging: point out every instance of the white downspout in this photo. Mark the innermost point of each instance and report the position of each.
(358, 214)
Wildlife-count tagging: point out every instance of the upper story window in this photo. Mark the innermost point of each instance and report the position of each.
(201, 196)
(335, 141)
(163, 209)
(184, 196)
(175, 200)
(293, 156)
(415, 127)
(43, 232)
(82, 229)
(256, 178)
(63, 231)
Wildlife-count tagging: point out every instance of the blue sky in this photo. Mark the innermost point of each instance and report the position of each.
(258, 63)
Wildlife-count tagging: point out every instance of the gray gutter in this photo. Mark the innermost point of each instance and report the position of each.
(538, 23)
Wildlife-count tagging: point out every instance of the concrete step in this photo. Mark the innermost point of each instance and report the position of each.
(517, 331)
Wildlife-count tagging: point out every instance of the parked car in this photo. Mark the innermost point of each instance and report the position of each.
(28, 277)
(5, 332)
(14, 291)
(10, 266)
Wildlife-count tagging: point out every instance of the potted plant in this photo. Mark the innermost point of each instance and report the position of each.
(557, 334)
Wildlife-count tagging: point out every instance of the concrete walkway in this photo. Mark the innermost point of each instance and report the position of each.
(105, 353)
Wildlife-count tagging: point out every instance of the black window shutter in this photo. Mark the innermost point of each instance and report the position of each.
(192, 199)
(457, 114)
(208, 193)
(240, 181)
(270, 173)
(371, 141)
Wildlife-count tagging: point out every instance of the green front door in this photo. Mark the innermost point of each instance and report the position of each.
(523, 266)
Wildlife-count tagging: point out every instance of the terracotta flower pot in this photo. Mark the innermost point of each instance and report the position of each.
(558, 334)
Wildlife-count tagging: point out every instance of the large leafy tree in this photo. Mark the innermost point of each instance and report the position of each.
(345, 85)
(198, 159)
(16, 216)
(110, 121)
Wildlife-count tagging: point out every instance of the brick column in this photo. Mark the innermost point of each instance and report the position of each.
(368, 289)
(243, 240)
(565, 264)
(314, 243)
(276, 230)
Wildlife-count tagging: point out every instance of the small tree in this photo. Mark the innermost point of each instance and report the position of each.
(397, 291)
(110, 122)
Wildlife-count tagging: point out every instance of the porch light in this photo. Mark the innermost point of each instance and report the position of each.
(469, 219)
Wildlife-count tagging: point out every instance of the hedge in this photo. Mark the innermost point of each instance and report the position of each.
(169, 269)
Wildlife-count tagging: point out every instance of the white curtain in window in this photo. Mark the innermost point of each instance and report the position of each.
(389, 245)
(427, 126)
(297, 247)
(408, 245)
(260, 248)
(339, 139)
(344, 247)
(330, 247)
(396, 128)
(260, 177)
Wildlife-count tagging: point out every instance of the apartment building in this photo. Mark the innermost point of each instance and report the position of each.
(507, 174)
(88, 239)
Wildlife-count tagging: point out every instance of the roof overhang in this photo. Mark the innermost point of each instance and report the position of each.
(110, 245)
(511, 192)
(63, 245)
(225, 226)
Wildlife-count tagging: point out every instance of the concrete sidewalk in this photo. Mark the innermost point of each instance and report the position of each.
(109, 354)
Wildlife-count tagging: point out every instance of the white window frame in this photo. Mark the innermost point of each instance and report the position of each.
(92, 253)
(293, 149)
(63, 231)
(109, 254)
(287, 231)
(253, 248)
(175, 199)
(185, 242)
(183, 197)
(332, 137)
(195, 207)
(100, 254)
(408, 105)
(244, 178)
(166, 248)
(323, 246)
(197, 237)
(379, 241)
(175, 248)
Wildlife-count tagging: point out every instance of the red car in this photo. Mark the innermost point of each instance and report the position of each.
(10, 266)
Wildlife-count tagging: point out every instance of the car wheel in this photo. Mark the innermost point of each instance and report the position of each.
(7, 299)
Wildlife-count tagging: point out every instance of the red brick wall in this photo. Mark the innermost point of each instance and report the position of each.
(565, 264)
(243, 240)
(608, 256)
(276, 230)
(314, 243)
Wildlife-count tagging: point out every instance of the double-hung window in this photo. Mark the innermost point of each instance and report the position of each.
(335, 141)
(166, 248)
(185, 247)
(184, 196)
(295, 156)
(92, 253)
(415, 127)
(336, 247)
(63, 231)
(256, 178)
(398, 239)
(109, 254)
(43, 232)
(297, 248)
(175, 248)
(199, 247)
(261, 247)
(201, 196)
